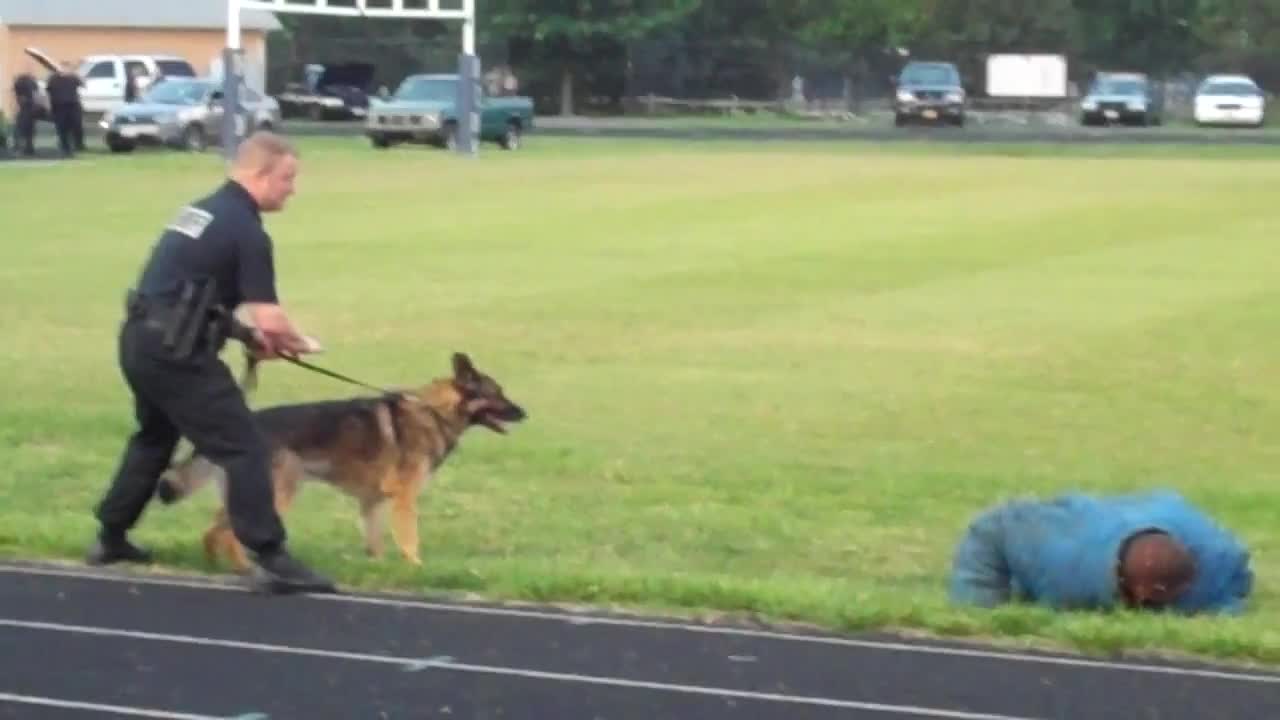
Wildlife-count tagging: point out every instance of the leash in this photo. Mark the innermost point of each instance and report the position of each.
(251, 375)
(249, 380)
(335, 375)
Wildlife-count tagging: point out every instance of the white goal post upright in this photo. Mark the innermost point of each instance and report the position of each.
(233, 117)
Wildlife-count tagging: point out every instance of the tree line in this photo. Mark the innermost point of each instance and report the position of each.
(574, 53)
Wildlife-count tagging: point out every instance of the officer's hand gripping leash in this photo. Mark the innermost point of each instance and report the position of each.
(249, 379)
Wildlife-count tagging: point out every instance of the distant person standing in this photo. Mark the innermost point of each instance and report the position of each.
(24, 91)
(64, 104)
(131, 88)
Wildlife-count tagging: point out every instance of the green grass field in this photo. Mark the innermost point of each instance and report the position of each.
(775, 379)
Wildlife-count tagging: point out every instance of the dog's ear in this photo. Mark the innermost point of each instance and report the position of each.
(463, 370)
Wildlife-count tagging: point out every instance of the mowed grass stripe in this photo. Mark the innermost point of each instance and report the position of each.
(777, 379)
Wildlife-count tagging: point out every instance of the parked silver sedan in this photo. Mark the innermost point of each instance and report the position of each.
(182, 113)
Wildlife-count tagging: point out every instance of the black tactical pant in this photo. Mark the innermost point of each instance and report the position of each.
(65, 120)
(199, 399)
(25, 128)
(77, 125)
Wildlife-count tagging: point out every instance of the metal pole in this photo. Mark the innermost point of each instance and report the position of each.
(233, 24)
(231, 70)
(469, 27)
(470, 89)
(468, 103)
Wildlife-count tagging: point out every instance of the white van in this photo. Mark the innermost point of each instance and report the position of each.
(104, 75)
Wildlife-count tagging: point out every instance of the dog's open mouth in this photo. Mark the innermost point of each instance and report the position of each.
(498, 419)
(493, 422)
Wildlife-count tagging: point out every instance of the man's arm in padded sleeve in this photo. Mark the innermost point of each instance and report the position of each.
(980, 574)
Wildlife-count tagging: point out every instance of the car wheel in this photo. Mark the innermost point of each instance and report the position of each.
(511, 137)
(317, 112)
(119, 146)
(450, 139)
(193, 138)
(899, 120)
(380, 141)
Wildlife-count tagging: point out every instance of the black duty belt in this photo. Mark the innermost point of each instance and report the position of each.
(155, 313)
(187, 323)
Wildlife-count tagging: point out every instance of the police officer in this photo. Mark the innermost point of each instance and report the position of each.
(63, 88)
(24, 91)
(214, 254)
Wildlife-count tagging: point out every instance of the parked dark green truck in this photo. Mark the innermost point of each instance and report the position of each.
(424, 110)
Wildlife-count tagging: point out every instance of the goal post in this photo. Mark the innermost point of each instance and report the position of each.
(234, 119)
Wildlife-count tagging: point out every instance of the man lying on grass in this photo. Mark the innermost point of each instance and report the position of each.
(1079, 552)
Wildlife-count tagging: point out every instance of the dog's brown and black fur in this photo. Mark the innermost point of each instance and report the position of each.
(379, 450)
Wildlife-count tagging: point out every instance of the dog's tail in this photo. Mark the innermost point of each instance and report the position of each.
(186, 478)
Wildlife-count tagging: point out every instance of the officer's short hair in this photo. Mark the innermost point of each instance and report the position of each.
(259, 152)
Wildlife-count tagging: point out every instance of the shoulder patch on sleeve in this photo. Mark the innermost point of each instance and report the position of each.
(191, 221)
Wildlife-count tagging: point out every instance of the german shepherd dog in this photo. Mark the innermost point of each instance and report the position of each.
(379, 450)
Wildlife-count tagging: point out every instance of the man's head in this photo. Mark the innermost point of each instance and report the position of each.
(266, 165)
(1155, 570)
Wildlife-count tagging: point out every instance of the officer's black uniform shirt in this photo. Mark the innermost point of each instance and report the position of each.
(221, 237)
(25, 87)
(63, 89)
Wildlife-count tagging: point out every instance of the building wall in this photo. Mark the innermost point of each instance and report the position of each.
(201, 48)
(7, 73)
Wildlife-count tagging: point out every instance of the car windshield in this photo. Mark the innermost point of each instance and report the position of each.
(176, 93)
(175, 68)
(1118, 87)
(1229, 87)
(930, 75)
(422, 88)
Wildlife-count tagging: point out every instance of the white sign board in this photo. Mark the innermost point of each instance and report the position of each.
(1027, 76)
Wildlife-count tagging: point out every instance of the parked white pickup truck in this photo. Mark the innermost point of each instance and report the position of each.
(104, 75)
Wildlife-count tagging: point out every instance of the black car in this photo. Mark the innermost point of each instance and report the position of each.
(337, 91)
(929, 92)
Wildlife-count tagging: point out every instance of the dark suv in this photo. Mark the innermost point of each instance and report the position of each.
(1127, 98)
(929, 92)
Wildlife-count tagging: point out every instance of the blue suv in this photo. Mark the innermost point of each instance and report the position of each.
(929, 92)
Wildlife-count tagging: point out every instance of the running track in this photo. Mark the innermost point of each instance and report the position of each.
(77, 643)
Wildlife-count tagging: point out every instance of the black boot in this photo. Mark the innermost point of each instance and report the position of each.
(165, 492)
(280, 573)
(112, 547)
